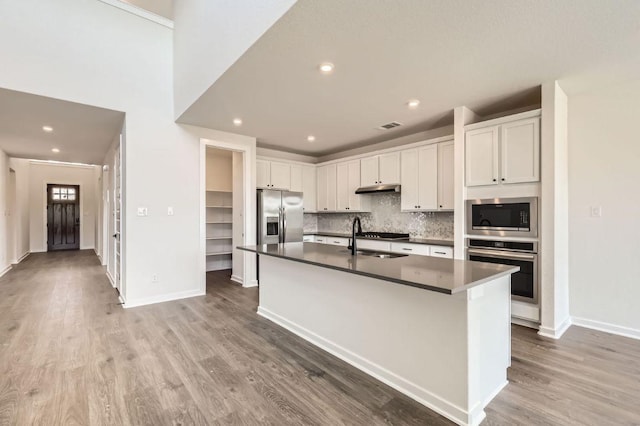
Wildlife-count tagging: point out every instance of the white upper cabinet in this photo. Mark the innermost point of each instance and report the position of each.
(296, 178)
(481, 156)
(263, 174)
(309, 188)
(520, 148)
(348, 180)
(380, 169)
(446, 188)
(427, 178)
(503, 154)
(273, 175)
(326, 188)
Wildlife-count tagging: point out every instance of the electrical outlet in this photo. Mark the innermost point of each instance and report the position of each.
(596, 211)
(169, 211)
(154, 278)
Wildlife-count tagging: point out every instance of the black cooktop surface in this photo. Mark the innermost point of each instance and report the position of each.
(387, 235)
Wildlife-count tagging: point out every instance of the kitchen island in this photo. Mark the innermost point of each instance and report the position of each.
(437, 330)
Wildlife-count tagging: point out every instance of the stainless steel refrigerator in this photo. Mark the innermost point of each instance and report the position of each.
(279, 216)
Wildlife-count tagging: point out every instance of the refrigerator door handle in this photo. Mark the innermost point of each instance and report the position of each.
(284, 225)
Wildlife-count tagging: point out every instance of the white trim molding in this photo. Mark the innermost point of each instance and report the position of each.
(5, 270)
(606, 327)
(21, 258)
(237, 279)
(142, 13)
(557, 332)
(163, 298)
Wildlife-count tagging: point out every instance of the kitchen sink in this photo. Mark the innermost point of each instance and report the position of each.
(378, 254)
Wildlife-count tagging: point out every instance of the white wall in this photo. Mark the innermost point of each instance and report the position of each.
(210, 35)
(4, 177)
(21, 218)
(41, 174)
(604, 159)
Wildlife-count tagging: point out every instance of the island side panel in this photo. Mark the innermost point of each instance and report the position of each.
(412, 339)
(489, 315)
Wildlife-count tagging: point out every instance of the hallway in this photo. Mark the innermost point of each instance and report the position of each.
(70, 354)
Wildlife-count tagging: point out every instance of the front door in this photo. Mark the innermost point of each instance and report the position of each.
(63, 217)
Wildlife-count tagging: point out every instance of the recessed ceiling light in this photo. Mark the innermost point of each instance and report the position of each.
(326, 67)
(413, 103)
(47, 129)
(237, 122)
(311, 138)
(55, 150)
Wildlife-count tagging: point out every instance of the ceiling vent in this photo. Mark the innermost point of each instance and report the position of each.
(390, 126)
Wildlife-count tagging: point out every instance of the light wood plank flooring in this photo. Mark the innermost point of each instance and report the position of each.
(70, 354)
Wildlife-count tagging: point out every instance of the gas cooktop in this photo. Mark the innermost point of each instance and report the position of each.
(385, 235)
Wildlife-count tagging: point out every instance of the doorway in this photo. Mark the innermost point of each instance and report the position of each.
(63, 217)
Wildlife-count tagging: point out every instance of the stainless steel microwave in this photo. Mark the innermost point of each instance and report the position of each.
(503, 217)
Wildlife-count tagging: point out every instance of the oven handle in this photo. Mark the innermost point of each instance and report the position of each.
(501, 254)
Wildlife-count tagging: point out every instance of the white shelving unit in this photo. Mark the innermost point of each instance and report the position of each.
(219, 235)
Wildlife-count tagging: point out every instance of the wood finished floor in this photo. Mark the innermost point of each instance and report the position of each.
(70, 355)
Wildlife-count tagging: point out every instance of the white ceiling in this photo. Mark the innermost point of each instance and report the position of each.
(82, 133)
(489, 56)
(163, 8)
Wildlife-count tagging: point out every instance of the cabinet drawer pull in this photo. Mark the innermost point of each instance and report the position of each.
(336, 242)
(407, 249)
(439, 252)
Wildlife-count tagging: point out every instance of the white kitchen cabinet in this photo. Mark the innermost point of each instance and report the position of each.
(506, 153)
(520, 151)
(380, 169)
(422, 249)
(409, 248)
(296, 178)
(441, 251)
(321, 239)
(481, 156)
(309, 188)
(308, 238)
(337, 241)
(326, 185)
(273, 175)
(427, 178)
(347, 181)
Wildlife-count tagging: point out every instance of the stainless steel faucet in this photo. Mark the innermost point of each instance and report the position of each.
(356, 220)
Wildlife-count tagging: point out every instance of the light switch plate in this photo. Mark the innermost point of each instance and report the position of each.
(596, 211)
(142, 211)
(169, 211)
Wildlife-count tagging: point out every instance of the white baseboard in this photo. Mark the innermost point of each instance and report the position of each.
(5, 270)
(164, 298)
(111, 280)
(606, 327)
(421, 395)
(525, 323)
(39, 251)
(251, 283)
(236, 279)
(21, 258)
(555, 333)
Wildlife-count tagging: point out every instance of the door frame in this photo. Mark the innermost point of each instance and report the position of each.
(248, 205)
(46, 216)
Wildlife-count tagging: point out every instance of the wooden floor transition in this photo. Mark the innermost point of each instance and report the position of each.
(71, 355)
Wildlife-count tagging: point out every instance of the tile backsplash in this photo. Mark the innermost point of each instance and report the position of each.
(385, 216)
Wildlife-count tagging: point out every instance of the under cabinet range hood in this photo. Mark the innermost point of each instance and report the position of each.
(374, 189)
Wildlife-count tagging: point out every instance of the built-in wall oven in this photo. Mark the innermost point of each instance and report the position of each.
(524, 283)
(503, 217)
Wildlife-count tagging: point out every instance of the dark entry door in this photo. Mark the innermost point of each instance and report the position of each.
(63, 217)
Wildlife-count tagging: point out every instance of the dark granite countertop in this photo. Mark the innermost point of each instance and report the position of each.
(427, 241)
(426, 272)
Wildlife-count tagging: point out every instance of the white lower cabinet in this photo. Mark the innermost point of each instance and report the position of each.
(337, 241)
(309, 239)
(422, 250)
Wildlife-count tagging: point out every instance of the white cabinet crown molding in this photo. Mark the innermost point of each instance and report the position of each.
(502, 120)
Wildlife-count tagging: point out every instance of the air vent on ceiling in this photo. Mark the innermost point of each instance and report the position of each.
(390, 126)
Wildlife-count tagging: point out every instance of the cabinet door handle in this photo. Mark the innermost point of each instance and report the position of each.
(502, 179)
(439, 252)
(494, 180)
